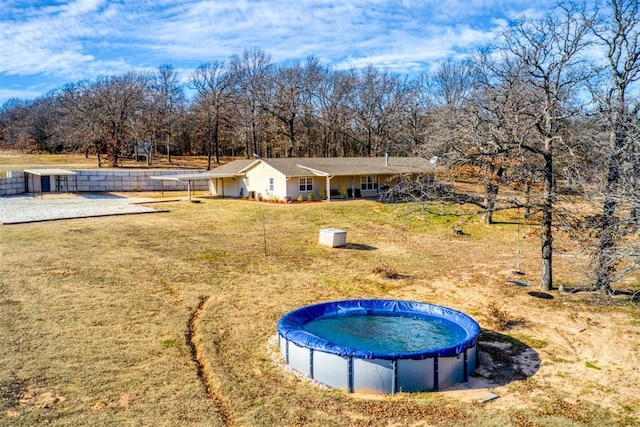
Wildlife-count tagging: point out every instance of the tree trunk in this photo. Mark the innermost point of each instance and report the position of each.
(254, 140)
(609, 223)
(209, 142)
(247, 146)
(490, 198)
(546, 276)
(527, 199)
(216, 140)
(292, 142)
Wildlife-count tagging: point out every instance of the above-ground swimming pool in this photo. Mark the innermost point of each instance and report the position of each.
(380, 346)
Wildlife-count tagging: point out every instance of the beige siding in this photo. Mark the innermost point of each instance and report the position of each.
(226, 187)
(257, 180)
(293, 187)
(256, 184)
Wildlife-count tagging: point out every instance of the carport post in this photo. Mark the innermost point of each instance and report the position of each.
(189, 189)
(328, 188)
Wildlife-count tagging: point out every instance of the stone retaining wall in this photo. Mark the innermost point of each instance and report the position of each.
(103, 180)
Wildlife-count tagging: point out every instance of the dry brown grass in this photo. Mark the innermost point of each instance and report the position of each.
(98, 316)
(16, 161)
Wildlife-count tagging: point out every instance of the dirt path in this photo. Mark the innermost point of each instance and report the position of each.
(223, 408)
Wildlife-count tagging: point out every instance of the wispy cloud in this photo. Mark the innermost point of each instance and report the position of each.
(68, 41)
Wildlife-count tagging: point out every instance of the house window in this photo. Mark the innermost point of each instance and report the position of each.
(271, 184)
(305, 184)
(369, 182)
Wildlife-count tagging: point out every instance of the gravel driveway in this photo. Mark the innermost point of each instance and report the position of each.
(24, 208)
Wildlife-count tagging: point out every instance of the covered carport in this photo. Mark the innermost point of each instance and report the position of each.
(61, 179)
(189, 179)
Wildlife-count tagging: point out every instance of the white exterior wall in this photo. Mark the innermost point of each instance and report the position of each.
(338, 183)
(293, 187)
(227, 187)
(257, 180)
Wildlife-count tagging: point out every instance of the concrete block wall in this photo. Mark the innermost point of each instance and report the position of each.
(13, 183)
(102, 180)
(97, 180)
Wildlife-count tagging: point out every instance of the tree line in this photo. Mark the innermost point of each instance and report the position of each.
(551, 104)
(242, 107)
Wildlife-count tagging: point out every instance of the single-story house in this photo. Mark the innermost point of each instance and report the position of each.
(282, 179)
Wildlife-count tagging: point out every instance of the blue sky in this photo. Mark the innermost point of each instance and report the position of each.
(46, 44)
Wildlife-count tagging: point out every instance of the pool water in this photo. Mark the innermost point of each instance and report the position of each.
(387, 333)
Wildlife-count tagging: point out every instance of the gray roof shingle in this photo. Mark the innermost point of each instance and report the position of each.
(335, 166)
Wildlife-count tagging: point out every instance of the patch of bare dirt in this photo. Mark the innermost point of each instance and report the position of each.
(126, 400)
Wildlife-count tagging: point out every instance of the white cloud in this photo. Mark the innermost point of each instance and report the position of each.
(84, 38)
(81, 7)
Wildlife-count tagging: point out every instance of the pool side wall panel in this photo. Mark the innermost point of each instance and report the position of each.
(299, 359)
(372, 375)
(331, 369)
(415, 375)
(376, 375)
(450, 371)
(472, 359)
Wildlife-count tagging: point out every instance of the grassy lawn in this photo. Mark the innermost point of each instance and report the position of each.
(106, 321)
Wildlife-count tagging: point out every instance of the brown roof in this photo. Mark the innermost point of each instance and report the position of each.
(334, 166)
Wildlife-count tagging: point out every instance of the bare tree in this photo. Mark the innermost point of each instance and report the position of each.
(167, 103)
(81, 126)
(374, 103)
(334, 116)
(43, 123)
(619, 32)
(250, 71)
(315, 75)
(548, 52)
(213, 85)
(498, 119)
(284, 103)
(452, 82)
(116, 100)
(14, 119)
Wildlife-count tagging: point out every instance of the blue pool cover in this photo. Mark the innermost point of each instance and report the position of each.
(290, 326)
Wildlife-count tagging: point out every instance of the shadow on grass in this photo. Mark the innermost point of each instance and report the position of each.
(611, 292)
(358, 247)
(541, 295)
(503, 359)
